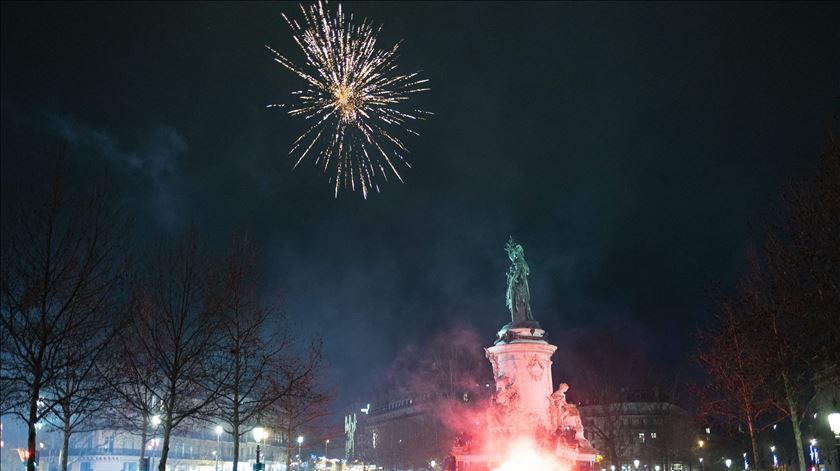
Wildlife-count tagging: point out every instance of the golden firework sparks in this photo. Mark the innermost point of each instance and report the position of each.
(354, 98)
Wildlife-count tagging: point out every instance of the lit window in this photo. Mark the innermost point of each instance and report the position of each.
(652, 434)
(642, 437)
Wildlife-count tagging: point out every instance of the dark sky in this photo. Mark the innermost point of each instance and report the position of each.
(631, 148)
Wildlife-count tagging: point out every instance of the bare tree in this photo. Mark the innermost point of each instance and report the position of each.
(131, 376)
(59, 275)
(738, 374)
(250, 341)
(174, 337)
(301, 400)
(784, 316)
(804, 253)
(78, 396)
(797, 289)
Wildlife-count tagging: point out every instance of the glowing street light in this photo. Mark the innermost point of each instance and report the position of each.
(259, 435)
(728, 463)
(300, 442)
(700, 443)
(656, 468)
(431, 463)
(834, 423)
(155, 421)
(636, 463)
(218, 451)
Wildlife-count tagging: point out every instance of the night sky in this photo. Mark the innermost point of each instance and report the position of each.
(633, 149)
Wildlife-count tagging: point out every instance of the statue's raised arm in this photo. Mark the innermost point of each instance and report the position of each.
(518, 294)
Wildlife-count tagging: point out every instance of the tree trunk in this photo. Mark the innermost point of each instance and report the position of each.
(65, 446)
(235, 435)
(235, 412)
(164, 451)
(794, 420)
(289, 446)
(754, 445)
(143, 442)
(32, 439)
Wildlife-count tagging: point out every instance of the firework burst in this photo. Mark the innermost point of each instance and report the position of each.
(354, 99)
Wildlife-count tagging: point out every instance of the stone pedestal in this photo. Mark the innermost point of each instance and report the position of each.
(522, 370)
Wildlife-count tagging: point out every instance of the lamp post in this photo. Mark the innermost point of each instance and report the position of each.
(300, 442)
(636, 463)
(218, 452)
(834, 423)
(326, 450)
(728, 463)
(259, 435)
(155, 420)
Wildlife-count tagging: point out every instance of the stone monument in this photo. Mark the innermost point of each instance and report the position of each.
(524, 404)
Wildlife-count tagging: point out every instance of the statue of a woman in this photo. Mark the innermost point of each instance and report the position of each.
(518, 294)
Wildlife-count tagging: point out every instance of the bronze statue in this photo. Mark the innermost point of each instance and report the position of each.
(518, 294)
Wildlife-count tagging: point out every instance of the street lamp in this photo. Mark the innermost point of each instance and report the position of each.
(775, 458)
(259, 435)
(155, 420)
(700, 443)
(834, 423)
(218, 451)
(300, 442)
(326, 444)
(728, 463)
(636, 463)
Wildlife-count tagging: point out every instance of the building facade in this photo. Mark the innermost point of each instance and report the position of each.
(404, 433)
(189, 450)
(649, 436)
